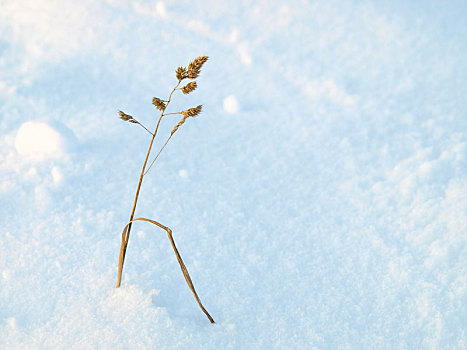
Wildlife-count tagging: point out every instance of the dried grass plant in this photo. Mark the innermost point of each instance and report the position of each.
(182, 73)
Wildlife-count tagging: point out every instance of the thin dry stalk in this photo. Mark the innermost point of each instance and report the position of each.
(192, 112)
(125, 239)
(182, 73)
(179, 259)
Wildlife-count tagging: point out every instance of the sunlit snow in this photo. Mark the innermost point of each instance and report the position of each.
(319, 200)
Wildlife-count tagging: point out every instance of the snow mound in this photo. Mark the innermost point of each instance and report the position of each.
(37, 141)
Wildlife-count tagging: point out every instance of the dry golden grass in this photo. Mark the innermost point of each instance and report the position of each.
(192, 72)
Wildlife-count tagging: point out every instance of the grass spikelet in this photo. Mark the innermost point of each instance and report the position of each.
(160, 105)
(129, 118)
(189, 87)
(194, 68)
(125, 117)
(179, 125)
(192, 112)
(181, 73)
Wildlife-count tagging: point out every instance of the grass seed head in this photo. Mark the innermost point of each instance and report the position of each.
(194, 68)
(181, 73)
(125, 117)
(160, 105)
(192, 112)
(189, 87)
(179, 124)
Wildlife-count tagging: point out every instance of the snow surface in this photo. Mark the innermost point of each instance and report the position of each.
(319, 201)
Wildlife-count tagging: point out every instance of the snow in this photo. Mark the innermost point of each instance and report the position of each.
(231, 104)
(37, 141)
(319, 201)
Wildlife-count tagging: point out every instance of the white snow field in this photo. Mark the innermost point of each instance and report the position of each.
(319, 201)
